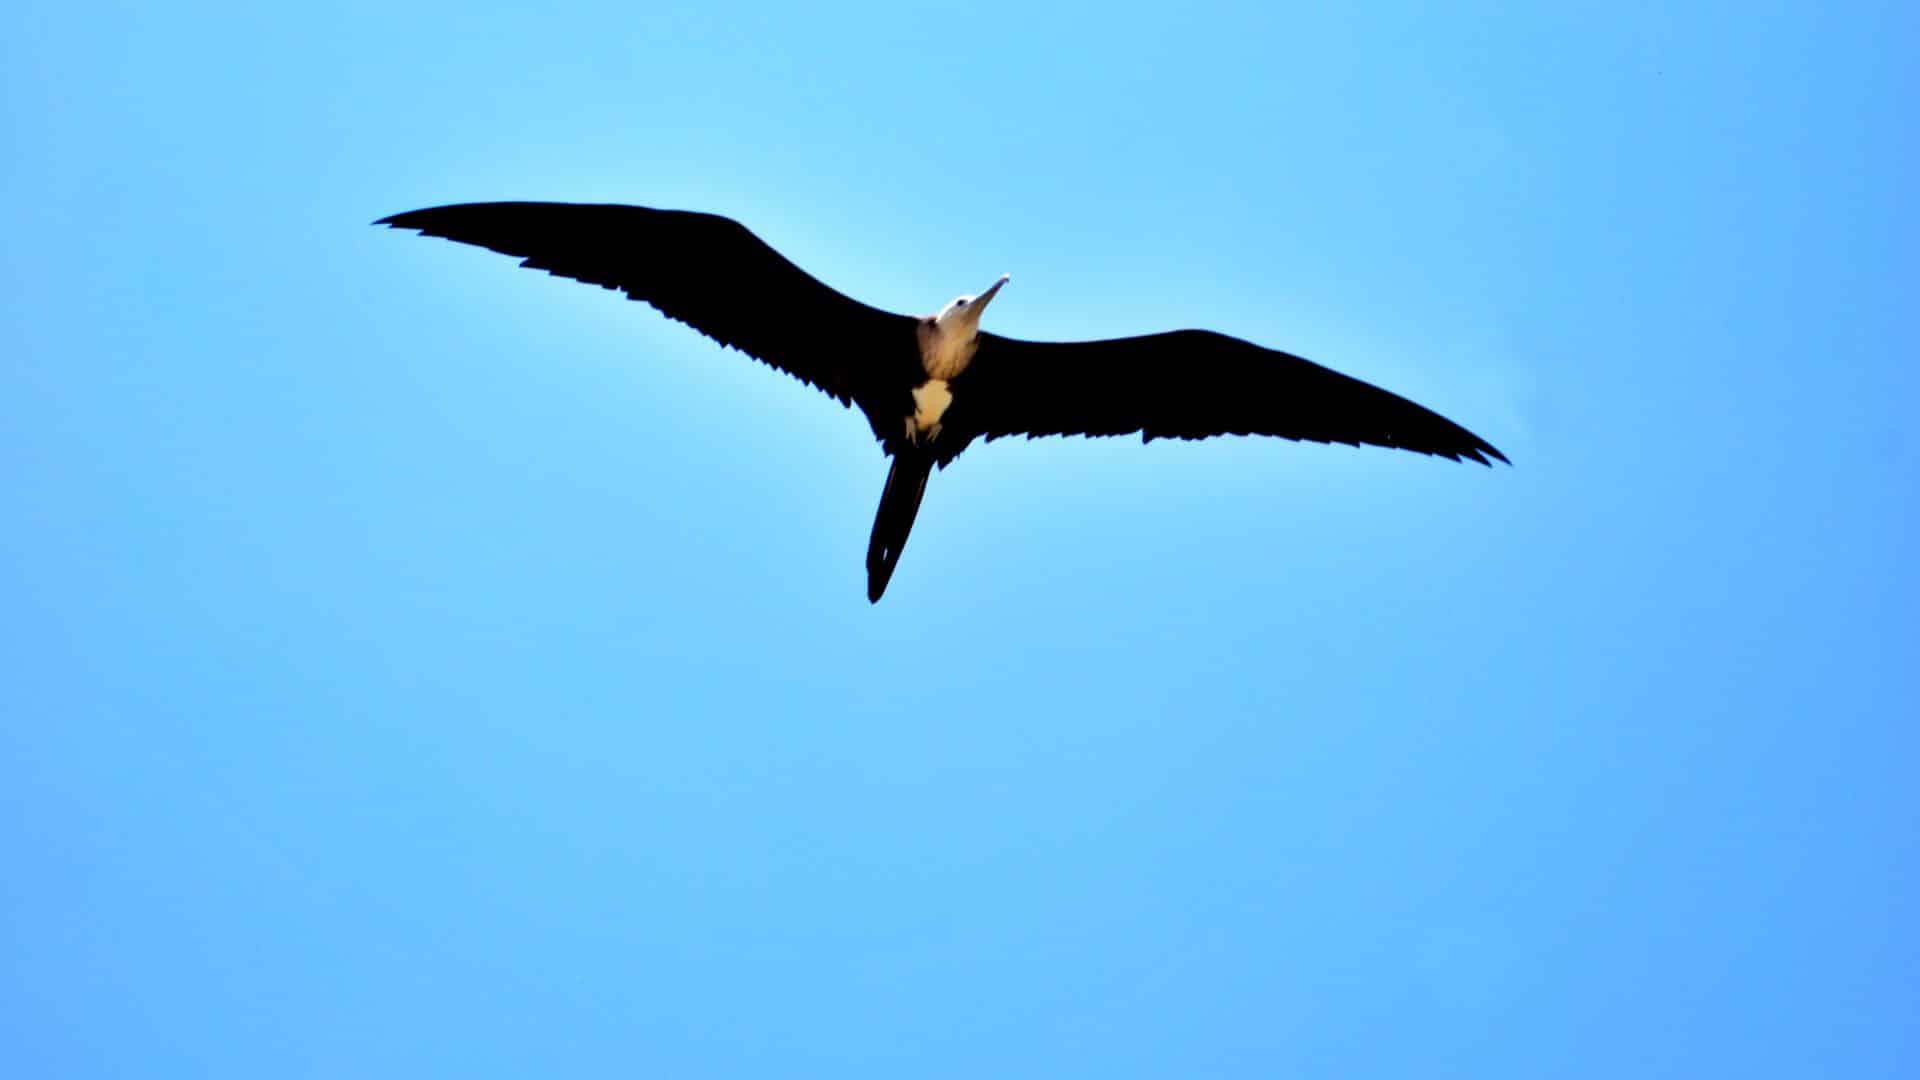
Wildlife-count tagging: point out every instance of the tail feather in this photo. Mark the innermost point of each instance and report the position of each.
(899, 504)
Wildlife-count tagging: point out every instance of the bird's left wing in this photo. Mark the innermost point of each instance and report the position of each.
(704, 270)
(1191, 384)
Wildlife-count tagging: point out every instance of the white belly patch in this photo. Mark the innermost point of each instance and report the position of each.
(930, 401)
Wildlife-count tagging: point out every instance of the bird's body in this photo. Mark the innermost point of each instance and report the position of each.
(947, 342)
(930, 401)
(930, 386)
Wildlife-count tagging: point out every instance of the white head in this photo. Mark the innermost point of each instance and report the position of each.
(961, 318)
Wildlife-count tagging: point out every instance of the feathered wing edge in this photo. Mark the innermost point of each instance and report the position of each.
(710, 272)
(1195, 384)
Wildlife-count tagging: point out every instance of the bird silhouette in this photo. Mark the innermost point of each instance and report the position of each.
(930, 385)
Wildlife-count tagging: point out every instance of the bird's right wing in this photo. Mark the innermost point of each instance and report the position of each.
(704, 270)
(1192, 384)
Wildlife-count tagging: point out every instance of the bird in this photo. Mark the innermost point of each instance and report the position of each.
(930, 385)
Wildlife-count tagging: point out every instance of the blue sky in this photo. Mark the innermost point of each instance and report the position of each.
(411, 665)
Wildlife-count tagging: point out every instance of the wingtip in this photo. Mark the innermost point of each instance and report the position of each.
(1479, 452)
(417, 220)
(400, 220)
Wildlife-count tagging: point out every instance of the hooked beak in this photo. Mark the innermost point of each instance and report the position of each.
(980, 302)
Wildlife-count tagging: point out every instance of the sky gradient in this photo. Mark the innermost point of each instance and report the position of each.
(413, 665)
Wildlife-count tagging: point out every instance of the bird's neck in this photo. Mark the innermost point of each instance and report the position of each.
(945, 350)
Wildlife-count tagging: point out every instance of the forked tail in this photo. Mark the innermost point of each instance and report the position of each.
(899, 504)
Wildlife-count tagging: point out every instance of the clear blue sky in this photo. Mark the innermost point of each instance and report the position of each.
(415, 666)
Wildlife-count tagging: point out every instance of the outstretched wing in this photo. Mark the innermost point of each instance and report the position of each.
(1191, 384)
(704, 270)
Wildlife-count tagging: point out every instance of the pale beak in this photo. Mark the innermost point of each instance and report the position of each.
(980, 302)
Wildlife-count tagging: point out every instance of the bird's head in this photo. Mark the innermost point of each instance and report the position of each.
(963, 314)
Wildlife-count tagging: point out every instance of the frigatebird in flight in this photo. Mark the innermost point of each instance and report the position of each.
(931, 385)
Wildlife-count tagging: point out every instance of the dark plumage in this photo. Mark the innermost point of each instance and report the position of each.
(714, 275)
